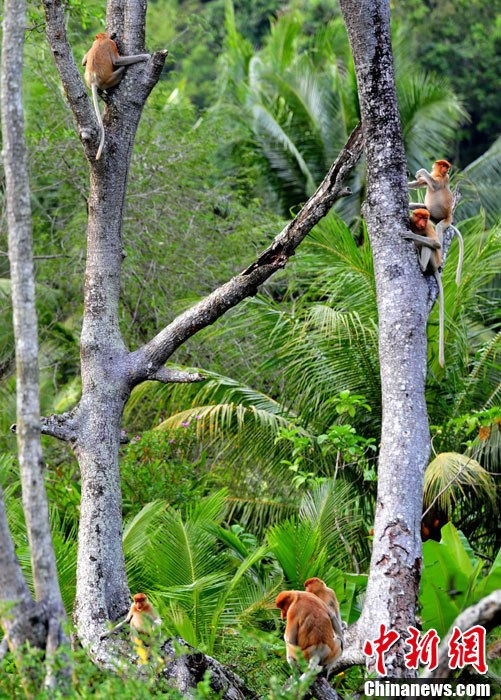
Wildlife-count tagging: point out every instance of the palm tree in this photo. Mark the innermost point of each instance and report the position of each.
(322, 340)
(297, 102)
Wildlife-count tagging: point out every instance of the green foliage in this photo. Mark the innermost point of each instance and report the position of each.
(162, 462)
(451, 579)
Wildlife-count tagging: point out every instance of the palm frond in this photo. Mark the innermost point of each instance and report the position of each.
(450, 475)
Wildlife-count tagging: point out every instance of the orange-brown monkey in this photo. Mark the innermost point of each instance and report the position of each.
(142, 617)
(308, 629)
(420, 224)
(100, 74)
(439, 202)
(317, 587)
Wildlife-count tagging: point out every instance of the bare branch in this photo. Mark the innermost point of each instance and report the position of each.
(487, 612)
(275, 257)
(71, 79)
(63, 426)
(175, 376)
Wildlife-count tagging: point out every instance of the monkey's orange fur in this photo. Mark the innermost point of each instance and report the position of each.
(318, 587)
(420, 223)
(142, 616)
(308, 629)
(99, 65)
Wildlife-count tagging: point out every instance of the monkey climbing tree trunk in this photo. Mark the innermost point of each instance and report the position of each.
(402, 295)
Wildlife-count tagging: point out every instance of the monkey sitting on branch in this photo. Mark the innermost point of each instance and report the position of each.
(308, 630)
(439, 201)
(101, 72)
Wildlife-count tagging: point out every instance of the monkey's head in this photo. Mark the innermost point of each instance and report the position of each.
(140, 600)
(442, 167)
(102, 35)
(420, 218)
(284, 601)
(314, 585)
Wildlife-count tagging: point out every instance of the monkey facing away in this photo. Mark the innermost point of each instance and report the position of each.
(425, 236)
(439, 201)
(103, 69)
(308, 630)
(318, 587)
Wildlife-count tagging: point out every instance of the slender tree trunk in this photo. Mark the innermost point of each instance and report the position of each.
(109, 369)
(402, 295)
(40, 623)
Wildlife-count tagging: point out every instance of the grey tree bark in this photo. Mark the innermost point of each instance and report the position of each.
(404, 299)
(109, 369)
(27, 622)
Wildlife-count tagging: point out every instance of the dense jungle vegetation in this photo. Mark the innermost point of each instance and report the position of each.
(265, 473)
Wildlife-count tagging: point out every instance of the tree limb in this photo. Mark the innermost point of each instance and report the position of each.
(63, 426)
(175, 376)
(72, 81)
(487, 612)
(275, 257)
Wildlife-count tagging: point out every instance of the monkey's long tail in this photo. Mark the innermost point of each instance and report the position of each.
(461, 254)
(441, 358)
(100, 121)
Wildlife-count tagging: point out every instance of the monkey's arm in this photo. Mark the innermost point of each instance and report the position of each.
(425, 175)
(84, 59)
(422, 240)
(415, 184)
(117, 627)
(128, 60)
(337, 624)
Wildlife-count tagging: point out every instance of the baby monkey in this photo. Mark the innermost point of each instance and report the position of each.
(103, 69)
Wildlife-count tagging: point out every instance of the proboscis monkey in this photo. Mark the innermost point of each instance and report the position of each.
(439, 202)
(421, 224)
(317, 587)
(308, 629)
(142, 617)
(101, 72)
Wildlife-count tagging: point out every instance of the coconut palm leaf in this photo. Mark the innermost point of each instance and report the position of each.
(450, 475)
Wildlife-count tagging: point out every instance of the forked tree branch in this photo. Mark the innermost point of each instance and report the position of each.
(132, 26)
(155, 353)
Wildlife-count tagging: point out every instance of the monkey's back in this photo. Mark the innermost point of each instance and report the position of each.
(315, 626)
(99, 66)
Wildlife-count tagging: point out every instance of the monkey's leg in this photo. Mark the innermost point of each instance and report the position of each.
(115, 78)
(416, 205)
(129, 60)
(424, 258)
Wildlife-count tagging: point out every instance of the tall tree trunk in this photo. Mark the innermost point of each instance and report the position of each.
(43, 562)
(402, 295)
(109, 369)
